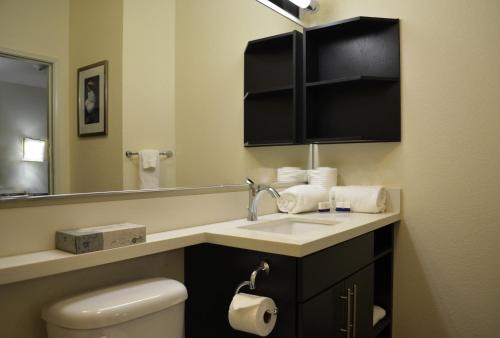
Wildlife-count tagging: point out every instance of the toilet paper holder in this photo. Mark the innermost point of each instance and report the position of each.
(251, 283)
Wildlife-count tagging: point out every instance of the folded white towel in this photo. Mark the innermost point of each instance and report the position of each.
(368, 199)
(324, 176)
(301, 198)
(149, 169)
(378, 314)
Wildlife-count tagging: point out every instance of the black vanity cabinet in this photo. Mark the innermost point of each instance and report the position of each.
(328, 294)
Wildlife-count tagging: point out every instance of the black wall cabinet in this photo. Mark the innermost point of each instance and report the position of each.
(350, 86)
(318, 296)
(273, 84)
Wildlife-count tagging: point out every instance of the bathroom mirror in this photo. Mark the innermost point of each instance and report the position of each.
(157, 74)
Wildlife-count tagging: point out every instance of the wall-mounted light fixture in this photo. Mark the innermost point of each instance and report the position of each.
(33, 150)
(308, 5)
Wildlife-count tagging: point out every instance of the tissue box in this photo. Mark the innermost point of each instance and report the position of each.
(79, 241)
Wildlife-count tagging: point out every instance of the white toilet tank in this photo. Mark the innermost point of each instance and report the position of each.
(151, 308)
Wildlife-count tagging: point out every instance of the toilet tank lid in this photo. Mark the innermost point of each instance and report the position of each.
(115, 305)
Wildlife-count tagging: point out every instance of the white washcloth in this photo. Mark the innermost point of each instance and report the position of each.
(324, 176)
(378, 314)
(301, 198)
(149, 169)
(368, 199)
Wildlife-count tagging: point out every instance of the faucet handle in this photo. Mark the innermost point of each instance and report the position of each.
(249, 182)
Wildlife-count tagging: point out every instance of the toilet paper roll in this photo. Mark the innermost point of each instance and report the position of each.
(252, 314)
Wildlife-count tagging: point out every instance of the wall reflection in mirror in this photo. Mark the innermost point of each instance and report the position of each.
(173, 83)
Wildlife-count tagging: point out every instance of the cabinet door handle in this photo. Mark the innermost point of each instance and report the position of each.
(344, 330)
(347, 330)
(354, 324)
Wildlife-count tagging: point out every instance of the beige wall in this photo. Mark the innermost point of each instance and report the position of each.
(211, 40)
(148, 86)
(96, 35)
(447, 254)
(50, 42)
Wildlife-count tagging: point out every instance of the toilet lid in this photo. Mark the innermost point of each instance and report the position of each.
(115, 305)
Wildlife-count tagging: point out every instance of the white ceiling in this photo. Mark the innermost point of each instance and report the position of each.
(23, 72)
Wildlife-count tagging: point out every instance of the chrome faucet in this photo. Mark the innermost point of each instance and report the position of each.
(254, 194)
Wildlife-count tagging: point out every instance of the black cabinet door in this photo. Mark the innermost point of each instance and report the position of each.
(325, 315)
(343, 311)
(213, 272)
(360, 287)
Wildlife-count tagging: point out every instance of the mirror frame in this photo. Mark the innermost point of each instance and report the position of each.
(51, 110)
(96, 197)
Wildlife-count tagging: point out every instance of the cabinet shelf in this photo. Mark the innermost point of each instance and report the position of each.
(271, 144)
(359, 21)
(351, 79)
(350, 139)
(382, 254)
(269, 91)
(381, 326)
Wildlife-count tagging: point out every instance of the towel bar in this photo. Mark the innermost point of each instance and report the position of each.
(167, 153)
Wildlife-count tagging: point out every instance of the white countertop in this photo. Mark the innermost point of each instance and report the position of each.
(341, 227)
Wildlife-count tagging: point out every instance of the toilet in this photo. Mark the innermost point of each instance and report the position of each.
(151, 308)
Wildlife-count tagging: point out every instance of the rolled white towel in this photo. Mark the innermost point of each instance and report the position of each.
(378, 314)
(368, 199)
(301, 198)
(324, 176)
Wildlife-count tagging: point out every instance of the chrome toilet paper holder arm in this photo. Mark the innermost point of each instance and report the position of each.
(264, 267)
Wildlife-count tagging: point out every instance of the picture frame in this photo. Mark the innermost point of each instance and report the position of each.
(92, 100)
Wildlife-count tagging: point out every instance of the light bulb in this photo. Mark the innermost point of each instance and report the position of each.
(33, 150)
(308, 5)
(302, 3)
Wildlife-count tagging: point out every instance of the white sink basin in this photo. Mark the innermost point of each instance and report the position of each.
(289, 226)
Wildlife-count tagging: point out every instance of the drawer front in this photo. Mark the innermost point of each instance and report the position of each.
(323, 269)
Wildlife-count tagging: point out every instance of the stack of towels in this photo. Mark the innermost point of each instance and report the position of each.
(324, 177)
(306, 197)
(292, 175)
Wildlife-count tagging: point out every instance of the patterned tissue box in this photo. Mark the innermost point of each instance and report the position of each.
(79, 241)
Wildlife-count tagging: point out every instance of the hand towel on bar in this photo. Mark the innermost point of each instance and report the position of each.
(324, 176)
(368, 199)
(302, 198)
(149, 158)
(378, 314)
(149, 169)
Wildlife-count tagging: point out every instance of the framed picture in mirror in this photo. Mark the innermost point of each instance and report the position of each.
(92, 100)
